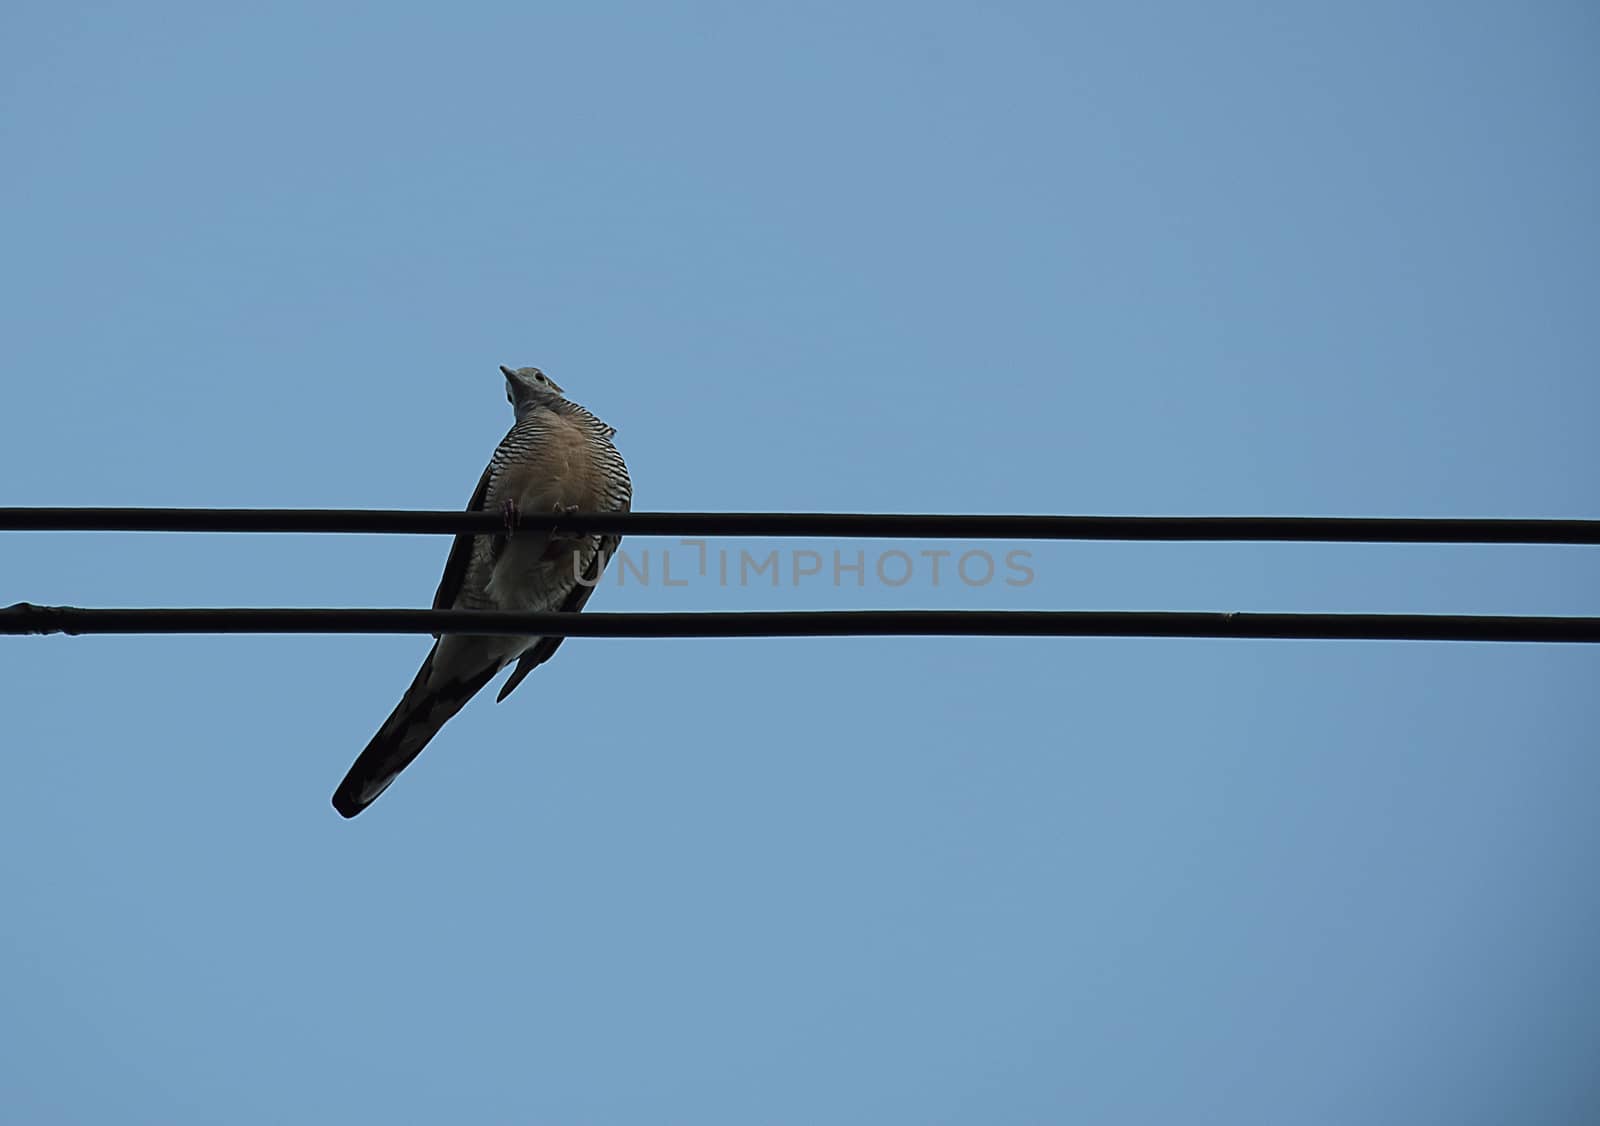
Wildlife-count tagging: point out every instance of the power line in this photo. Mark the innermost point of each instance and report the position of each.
(25, 618)
(1296, 529)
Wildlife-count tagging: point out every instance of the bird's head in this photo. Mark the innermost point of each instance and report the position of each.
(525, 385)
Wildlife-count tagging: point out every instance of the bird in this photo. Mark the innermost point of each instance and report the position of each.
(556, 458)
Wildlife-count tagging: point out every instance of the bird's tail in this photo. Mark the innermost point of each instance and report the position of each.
(424, 708)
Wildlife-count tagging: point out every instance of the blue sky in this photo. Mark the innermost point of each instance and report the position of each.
(1162, 259)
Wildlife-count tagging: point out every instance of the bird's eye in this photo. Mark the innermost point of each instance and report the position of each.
(540, 377)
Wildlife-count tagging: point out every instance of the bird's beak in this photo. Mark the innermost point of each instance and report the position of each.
(507, 371)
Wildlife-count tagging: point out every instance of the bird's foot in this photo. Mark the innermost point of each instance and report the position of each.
(565, 533)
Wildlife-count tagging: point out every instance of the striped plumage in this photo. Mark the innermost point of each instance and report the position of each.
(556, 456)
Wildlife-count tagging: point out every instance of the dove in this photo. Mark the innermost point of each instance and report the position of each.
(556, 458)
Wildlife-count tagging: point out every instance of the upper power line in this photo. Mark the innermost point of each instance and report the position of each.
(26, 618)
(1292, 529)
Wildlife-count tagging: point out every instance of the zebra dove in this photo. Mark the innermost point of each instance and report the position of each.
(557, 457)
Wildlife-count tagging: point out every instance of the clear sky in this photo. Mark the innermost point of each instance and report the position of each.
(1235, 258)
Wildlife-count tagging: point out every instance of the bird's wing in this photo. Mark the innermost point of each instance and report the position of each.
(455, 565)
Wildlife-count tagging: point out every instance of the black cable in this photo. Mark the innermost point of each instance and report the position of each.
(25, 618)
(1298, 529)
